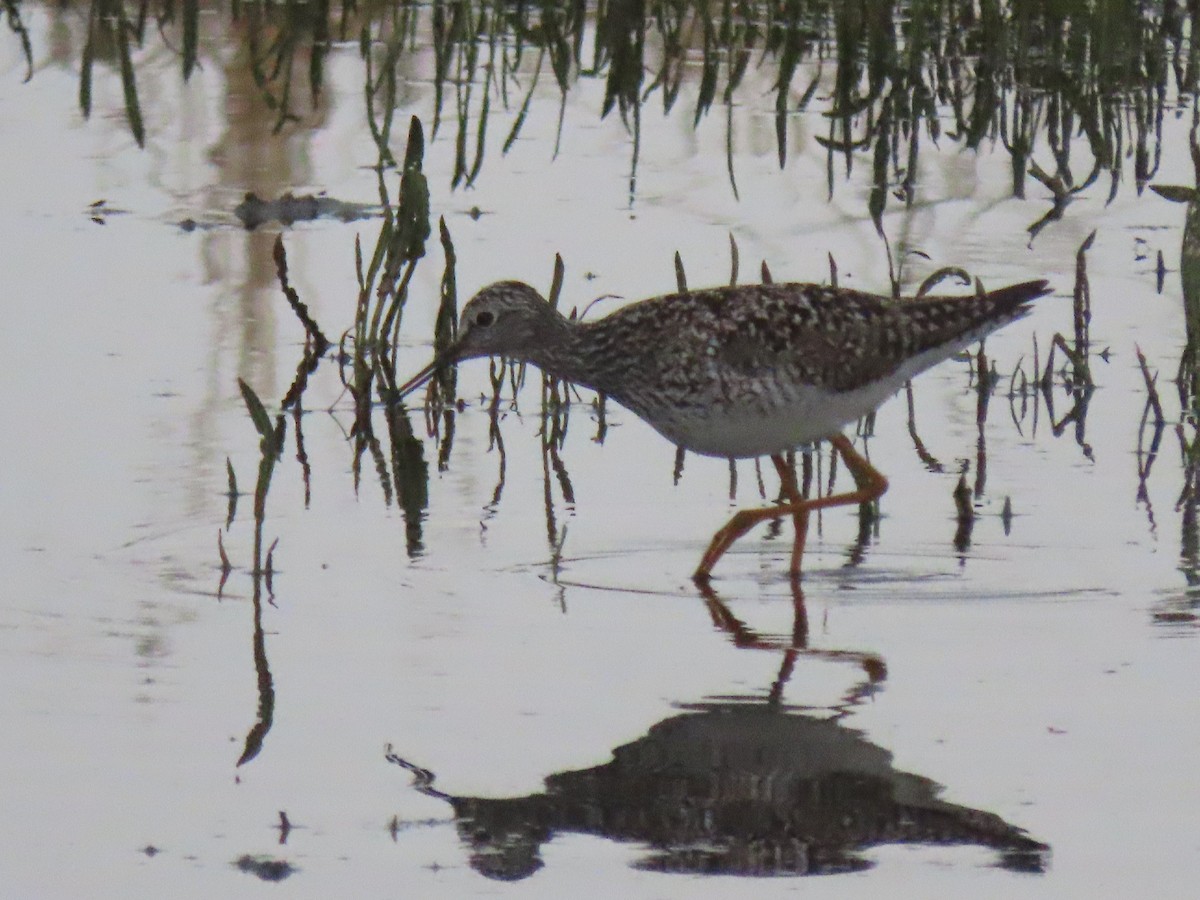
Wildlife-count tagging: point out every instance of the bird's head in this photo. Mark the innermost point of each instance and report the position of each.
(508, 318)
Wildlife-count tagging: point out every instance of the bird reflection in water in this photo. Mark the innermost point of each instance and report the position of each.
(740, 786)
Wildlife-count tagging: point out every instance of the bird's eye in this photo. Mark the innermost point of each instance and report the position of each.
(484, 318)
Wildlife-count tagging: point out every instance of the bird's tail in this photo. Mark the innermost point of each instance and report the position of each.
(955, 322)
(1014, 300)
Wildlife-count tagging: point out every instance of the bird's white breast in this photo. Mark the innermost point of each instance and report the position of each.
(748, 430)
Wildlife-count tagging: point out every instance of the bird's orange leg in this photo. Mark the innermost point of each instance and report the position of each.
(791, 490)
(869, 485)
(740, 523)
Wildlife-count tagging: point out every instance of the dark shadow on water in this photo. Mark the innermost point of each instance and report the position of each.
(740, 785)
(732, 788)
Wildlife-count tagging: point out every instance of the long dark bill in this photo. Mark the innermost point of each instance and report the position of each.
(424, 375)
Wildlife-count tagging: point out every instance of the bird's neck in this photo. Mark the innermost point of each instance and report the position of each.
(564, 354)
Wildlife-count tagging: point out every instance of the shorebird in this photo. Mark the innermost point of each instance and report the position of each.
(739, 372)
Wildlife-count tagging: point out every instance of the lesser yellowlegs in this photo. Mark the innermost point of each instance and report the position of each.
(738, 372)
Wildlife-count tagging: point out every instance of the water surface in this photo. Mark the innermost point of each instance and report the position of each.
(483, 664)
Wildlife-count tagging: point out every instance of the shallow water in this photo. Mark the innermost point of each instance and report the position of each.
(505, 680)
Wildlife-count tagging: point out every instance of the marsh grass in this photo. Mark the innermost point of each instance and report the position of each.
(368, 348)
(271, 440)
(111, 34)
(279, 39)
(366, 356)
(311, 329)
(1187, 383)
(1075, 94)
(273, 433)
(1076, 375)
(12, 16)
(1147, 454)
(556, 398)
(231, 493)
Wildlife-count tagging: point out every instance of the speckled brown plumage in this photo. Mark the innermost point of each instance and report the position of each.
(817, 335)
(739, 371)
